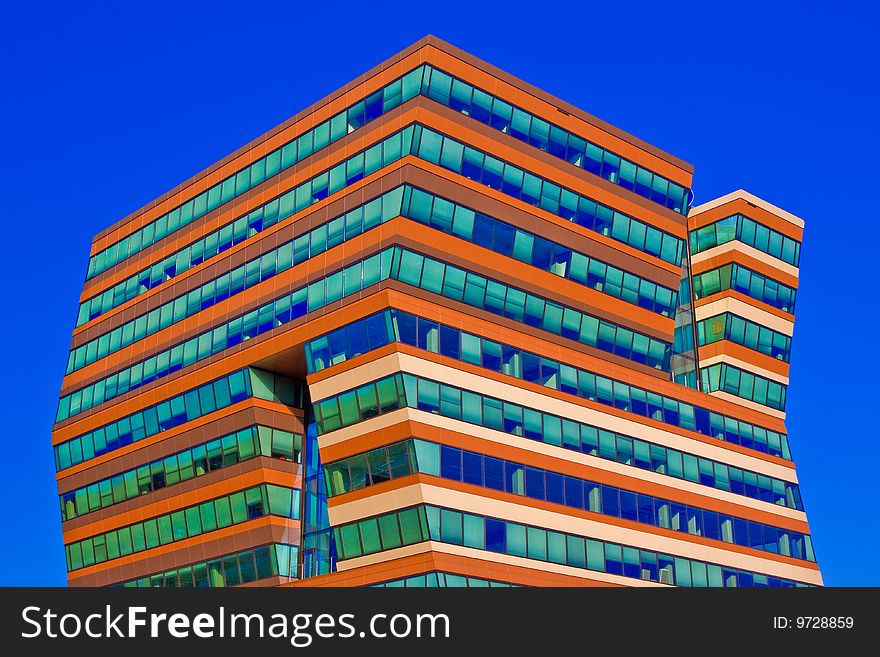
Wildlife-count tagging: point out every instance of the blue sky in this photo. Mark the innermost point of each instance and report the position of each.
(105, 107)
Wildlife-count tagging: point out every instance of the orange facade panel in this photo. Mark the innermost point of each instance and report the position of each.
(744, 259)
(746, 299)
(203, 493)
(285, 526)
(425, 562)
(744, 354)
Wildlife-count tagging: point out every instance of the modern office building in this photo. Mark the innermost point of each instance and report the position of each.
(440, 328)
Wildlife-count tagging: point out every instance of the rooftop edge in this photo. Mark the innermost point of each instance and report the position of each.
(428, 40)
(741, 194)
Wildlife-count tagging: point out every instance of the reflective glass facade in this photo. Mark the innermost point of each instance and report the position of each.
(440, 87)
(443, 580)
(274, 560)
(752, 284)
(405, 201)
(745, 384)
(177, 410)
(376, 331)
(534, 190)
(237, 508)
(419, 456)
(748, 231)
(427, 522)
(183, 466)
(397, 264)
(440, 329)
(265, 168)
(550, 138)
(394, 461)
(745, 332)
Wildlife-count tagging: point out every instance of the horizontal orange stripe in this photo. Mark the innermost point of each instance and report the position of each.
(733, 294)
(192, 435)
(746, 261)
(734, 350)
(756, 213)
(189, 498)
(546, 462)
(417, 564)
(252, 402)
(178, 545)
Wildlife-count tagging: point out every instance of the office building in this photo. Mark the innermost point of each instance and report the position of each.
(439, 329)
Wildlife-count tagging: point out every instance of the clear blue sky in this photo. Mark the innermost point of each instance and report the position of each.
(103, 108)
